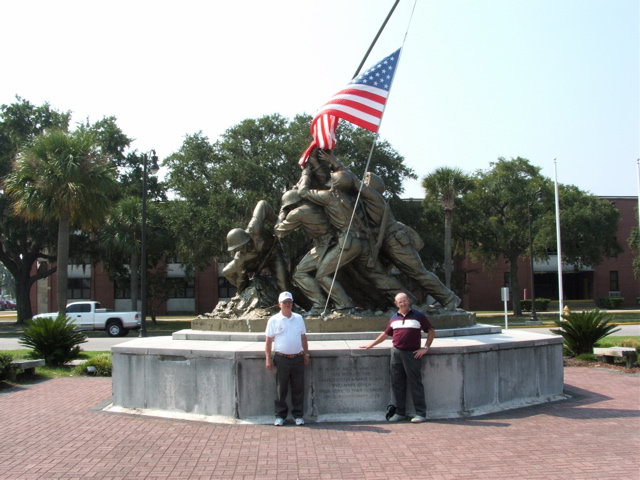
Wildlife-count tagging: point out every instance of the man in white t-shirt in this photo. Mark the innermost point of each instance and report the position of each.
(286, 338)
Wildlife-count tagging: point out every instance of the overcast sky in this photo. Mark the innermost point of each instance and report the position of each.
(477, 79)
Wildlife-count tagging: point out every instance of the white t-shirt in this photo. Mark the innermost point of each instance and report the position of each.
(286, 333)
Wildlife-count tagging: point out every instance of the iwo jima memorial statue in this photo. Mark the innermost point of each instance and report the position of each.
(345, 278)
(344, 288)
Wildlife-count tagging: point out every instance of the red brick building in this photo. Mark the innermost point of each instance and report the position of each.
(196, 295)
(613, 277)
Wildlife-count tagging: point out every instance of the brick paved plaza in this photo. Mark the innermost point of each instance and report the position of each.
(56, 429)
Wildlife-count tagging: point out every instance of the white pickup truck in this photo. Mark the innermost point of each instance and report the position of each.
(90, 316)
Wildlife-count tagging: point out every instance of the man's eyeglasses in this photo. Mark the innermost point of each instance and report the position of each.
(287, 302)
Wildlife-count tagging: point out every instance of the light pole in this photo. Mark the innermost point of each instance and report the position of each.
(143, 241)
(538, 198)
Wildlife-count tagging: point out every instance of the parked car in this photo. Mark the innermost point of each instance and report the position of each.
(7, 305)
(91, 316)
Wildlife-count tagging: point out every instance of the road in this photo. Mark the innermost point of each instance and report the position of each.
(625, 330)
(99, 341)
(96, 341)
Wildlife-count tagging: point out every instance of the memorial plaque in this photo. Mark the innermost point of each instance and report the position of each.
(351, 385)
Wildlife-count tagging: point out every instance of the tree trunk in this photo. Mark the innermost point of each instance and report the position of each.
(448, 266)
(63, 261)
(515, 287)
(23, 301)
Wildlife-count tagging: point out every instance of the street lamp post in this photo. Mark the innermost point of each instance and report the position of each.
(143, 240)
(538, 198)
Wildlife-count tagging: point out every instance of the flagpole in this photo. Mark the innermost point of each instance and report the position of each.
(558, 242)
(384, 24)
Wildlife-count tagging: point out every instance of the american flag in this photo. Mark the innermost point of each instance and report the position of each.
(361, 102)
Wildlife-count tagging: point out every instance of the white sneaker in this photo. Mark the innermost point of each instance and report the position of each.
(418, 419)
(279, 422)
(397, 418)
(299, 421)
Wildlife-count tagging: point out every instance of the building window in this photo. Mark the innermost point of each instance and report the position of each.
(614, 286)
(173, 259)
(225, 288)
(182, 288)
(79, 289)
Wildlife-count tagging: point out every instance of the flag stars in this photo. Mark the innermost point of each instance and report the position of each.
(379, 75)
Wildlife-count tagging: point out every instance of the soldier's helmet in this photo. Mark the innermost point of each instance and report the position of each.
(374, 181)
(236, 238)
(341, 180)
(290, 197)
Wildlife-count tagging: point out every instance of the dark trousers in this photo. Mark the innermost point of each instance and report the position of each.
(289, 371)
(407, 369)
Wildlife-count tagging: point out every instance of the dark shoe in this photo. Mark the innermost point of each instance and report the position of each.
(391, 411)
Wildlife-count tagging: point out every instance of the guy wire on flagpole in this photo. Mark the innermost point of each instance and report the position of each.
(375, 139)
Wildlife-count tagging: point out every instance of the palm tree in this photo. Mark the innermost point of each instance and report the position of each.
(444, 185)
(63, 176)
(120, 236)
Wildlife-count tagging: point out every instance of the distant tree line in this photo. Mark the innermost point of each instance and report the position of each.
(72, 195)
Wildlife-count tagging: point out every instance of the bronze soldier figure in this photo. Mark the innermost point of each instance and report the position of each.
(256, 248)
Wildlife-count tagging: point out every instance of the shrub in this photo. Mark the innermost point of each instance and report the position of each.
(541, 305)
(581, 331)
(54, 340)
(102, 364)
(631, 343)
(587, 357)
(5, 365)
(611, 303)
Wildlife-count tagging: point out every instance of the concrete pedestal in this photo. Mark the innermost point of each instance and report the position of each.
(333, 323)
(221, 377)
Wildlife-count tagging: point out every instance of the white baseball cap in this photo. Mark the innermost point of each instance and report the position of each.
(285, 296)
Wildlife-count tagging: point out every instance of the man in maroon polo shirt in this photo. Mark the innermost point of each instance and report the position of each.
(405, 328)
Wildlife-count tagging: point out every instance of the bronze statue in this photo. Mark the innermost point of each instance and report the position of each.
(352, 246)
(393, 239)
(352, 243)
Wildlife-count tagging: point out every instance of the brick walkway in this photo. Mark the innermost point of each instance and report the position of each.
(55, 429)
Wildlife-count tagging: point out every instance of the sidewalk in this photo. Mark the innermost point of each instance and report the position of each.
(56, 429)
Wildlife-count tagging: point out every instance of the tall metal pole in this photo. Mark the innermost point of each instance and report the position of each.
(534, 317)
(638, 162)
(384, 24)
(143, 253)
(558, 243)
